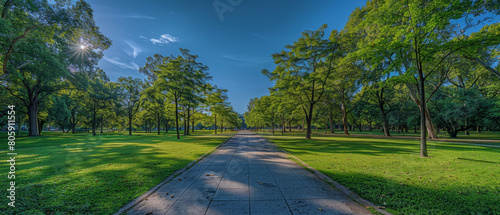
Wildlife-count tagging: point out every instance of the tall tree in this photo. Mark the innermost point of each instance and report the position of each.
(418, 35)
(36, 36)
(130, 93)
(216, 102)
(180, 77)
(303, 70)
(98, 91)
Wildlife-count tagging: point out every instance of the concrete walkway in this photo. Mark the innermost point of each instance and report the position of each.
(247, 175)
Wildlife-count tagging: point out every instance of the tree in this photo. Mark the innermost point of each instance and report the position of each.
(130, 93)
(216, 102)
(418, 35)
(303, 70)
(98, 91)
(35, 38)
(460, 108)
(180, 77)
(60, 113)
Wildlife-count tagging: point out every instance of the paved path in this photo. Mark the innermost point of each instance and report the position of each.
(247, 176)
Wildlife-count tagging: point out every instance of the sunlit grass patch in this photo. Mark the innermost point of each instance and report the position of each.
(456, 179)
(62, 173)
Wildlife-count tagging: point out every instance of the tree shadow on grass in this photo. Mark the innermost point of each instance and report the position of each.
(365, 146)
(351, 146)
(94, 177)
(436, 191)
(411, 197)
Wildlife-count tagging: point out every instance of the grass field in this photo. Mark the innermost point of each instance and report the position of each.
(456, 179)
(484, 135)
(83, 174)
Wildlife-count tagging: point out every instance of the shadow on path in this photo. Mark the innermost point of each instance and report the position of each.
(247, 175)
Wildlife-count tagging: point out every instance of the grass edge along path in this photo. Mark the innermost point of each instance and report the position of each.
(414, 184)
(352, 195)
(141, 198)
(355, 197)
(85, 174)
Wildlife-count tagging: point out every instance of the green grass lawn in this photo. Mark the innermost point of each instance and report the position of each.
(82, 174)
(484, 135)
(489, 135)
(375, 132)
(456, 179)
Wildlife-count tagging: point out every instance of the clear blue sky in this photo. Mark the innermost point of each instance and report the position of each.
(235, 48)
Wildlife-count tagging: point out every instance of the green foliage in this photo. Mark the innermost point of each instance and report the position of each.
(461, 109)
(60, 112)
(37, 40)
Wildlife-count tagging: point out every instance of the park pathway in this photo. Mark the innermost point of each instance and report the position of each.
(247, 175)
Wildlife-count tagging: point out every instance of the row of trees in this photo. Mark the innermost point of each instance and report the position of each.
(50, 52)
(393, 64)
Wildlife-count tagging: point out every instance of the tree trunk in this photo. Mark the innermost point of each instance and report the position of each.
(215, 123)
(184, 124)
(430, 127)
(166, 126)
(177, 118)
(192, 124)
(423, 108)
(73, 122)
(102, 123)
(129, 124)
(94, 117)
(62, 127)
(290, 126)
(33, 118)
(187, 122)
(309, 119)
(221, 125)
(332, 128)
(282, 125)
(384, 122)
(40, 125)
(272, 125)
(158, 124)
(344, 118)
(418, 100)
(453, 134)
(452, 131)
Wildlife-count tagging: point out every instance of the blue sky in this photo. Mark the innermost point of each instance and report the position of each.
(235, 42)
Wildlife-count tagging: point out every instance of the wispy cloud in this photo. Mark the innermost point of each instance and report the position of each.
(164, 39)
(247, 60)
(143, 37)
(124, 65)
(260, 36)
(136, 16)
(133, 50)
